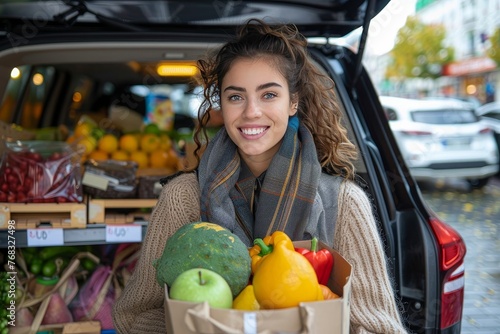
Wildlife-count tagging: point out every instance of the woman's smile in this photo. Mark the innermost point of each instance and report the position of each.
(253, 132)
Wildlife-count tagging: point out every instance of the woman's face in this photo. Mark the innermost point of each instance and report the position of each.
(256, 105)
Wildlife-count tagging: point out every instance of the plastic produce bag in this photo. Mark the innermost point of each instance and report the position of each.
(110, 179)
(96, 297)
(40, 172)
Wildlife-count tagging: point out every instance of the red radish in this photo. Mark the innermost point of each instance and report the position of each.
(24, 318)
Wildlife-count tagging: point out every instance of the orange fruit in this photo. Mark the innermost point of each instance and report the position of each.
(141, 158)
(158, 159)
(71, 139)
(327, 293)
(173, 159)
(150, 142)
(129, 143)
(108, 143)
(165, 142)
(98, 155)
(120, 155)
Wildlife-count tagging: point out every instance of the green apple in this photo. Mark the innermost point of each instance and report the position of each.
(199, 285)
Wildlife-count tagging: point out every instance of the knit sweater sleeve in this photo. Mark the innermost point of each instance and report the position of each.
(373, 306)
(139, 309)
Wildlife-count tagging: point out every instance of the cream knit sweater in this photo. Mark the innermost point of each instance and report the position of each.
(373, 308)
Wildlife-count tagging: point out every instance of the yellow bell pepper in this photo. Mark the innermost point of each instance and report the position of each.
(245, 300)
(283, 278)
(262, 247)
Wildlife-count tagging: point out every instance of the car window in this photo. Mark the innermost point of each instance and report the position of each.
(444, 116)
(493, 115)
(390, 114)
(43, 96)
(17, 82)
(27, 93)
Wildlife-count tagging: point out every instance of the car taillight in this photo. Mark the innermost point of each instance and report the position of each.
(484, 131)
(452, 253)
(452, 246)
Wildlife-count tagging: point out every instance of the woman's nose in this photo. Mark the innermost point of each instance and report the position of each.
(252, 109)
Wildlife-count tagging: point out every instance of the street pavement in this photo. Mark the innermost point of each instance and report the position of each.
(475, 214)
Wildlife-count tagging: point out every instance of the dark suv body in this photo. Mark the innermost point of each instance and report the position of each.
(85, 49)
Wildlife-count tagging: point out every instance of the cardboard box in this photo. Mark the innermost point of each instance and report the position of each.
(330, 316)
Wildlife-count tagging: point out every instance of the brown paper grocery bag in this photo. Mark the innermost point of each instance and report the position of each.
(199, 320)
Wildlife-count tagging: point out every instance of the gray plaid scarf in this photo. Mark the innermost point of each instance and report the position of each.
(287, 194)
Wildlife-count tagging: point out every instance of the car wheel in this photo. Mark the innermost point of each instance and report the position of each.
(478, 183)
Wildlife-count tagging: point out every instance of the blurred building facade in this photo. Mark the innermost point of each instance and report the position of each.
(468, 24)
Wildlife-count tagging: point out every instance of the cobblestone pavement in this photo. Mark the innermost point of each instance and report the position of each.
(476, 216)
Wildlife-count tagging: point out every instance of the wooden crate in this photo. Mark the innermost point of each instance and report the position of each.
(110, 211)
(32, 215)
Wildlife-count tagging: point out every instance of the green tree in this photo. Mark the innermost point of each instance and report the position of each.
(494, 49)
(419, 51)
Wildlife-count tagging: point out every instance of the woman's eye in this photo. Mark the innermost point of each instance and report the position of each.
(234, 98)
(269, 95)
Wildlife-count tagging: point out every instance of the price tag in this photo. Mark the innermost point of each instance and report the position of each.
(45, 237)
(124, 233)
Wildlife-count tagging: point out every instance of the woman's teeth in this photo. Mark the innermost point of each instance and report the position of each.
(252, 131)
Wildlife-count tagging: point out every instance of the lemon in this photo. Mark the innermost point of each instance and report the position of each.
(88, 143)
(246, 300)
(83, 130)
(108, 143)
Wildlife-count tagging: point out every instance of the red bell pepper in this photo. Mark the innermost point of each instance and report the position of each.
(321, 260)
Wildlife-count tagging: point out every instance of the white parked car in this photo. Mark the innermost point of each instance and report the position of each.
(442, 139)
(490, 115)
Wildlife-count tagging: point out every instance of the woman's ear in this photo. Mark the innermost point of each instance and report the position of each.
(294, 105)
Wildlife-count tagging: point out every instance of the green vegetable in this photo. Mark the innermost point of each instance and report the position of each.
(36, 266)
(5, 298)
(49, 268)
(53, 251)
(88, 264)
(205, 245)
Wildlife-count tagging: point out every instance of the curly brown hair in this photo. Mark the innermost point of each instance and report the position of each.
(317, 110)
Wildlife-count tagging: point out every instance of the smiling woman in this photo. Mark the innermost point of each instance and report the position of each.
(278, 163)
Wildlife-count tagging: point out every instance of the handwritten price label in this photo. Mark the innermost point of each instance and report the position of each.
(45, 237)
(124, 233)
